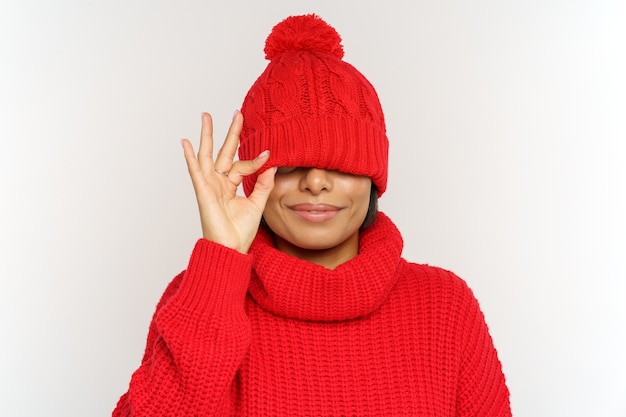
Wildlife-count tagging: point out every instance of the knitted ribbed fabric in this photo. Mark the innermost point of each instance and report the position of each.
(377, 336)
(311, 109)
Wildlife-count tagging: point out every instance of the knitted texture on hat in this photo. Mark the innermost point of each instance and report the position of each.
(312, 109)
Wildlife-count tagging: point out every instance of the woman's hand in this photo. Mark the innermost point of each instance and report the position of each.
(227, 218)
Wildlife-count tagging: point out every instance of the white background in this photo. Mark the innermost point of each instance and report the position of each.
(507, 123)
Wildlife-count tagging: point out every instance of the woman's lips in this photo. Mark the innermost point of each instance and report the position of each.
(315, 212)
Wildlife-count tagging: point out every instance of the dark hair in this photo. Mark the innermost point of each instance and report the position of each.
(372, 210)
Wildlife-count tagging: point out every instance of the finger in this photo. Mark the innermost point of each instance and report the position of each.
(226, 154)
(205, 153)
(240, 169)
(263, 188)
(192, 162)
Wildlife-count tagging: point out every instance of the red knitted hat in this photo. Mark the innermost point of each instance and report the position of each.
(311, 109)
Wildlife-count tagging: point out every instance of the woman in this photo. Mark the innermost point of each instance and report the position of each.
(296, 301)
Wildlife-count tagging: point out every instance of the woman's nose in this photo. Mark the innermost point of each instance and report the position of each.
(316, 180)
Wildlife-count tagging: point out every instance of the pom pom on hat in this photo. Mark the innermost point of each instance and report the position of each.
(303, 33)
(310, 108)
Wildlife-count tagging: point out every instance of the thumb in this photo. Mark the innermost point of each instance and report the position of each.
(262, 189)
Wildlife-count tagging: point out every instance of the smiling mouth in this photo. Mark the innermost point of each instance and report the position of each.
(315, 212)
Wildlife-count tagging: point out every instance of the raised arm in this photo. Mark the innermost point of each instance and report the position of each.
(200, 333)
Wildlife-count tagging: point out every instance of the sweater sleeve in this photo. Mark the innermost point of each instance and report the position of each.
(482, 387)
(197, 340)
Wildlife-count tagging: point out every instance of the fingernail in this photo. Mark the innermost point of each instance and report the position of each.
(235, 114)
(264, 153)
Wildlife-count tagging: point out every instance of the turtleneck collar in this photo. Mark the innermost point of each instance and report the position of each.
(292, 287)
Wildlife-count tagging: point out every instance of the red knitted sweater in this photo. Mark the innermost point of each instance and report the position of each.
(268, 334)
